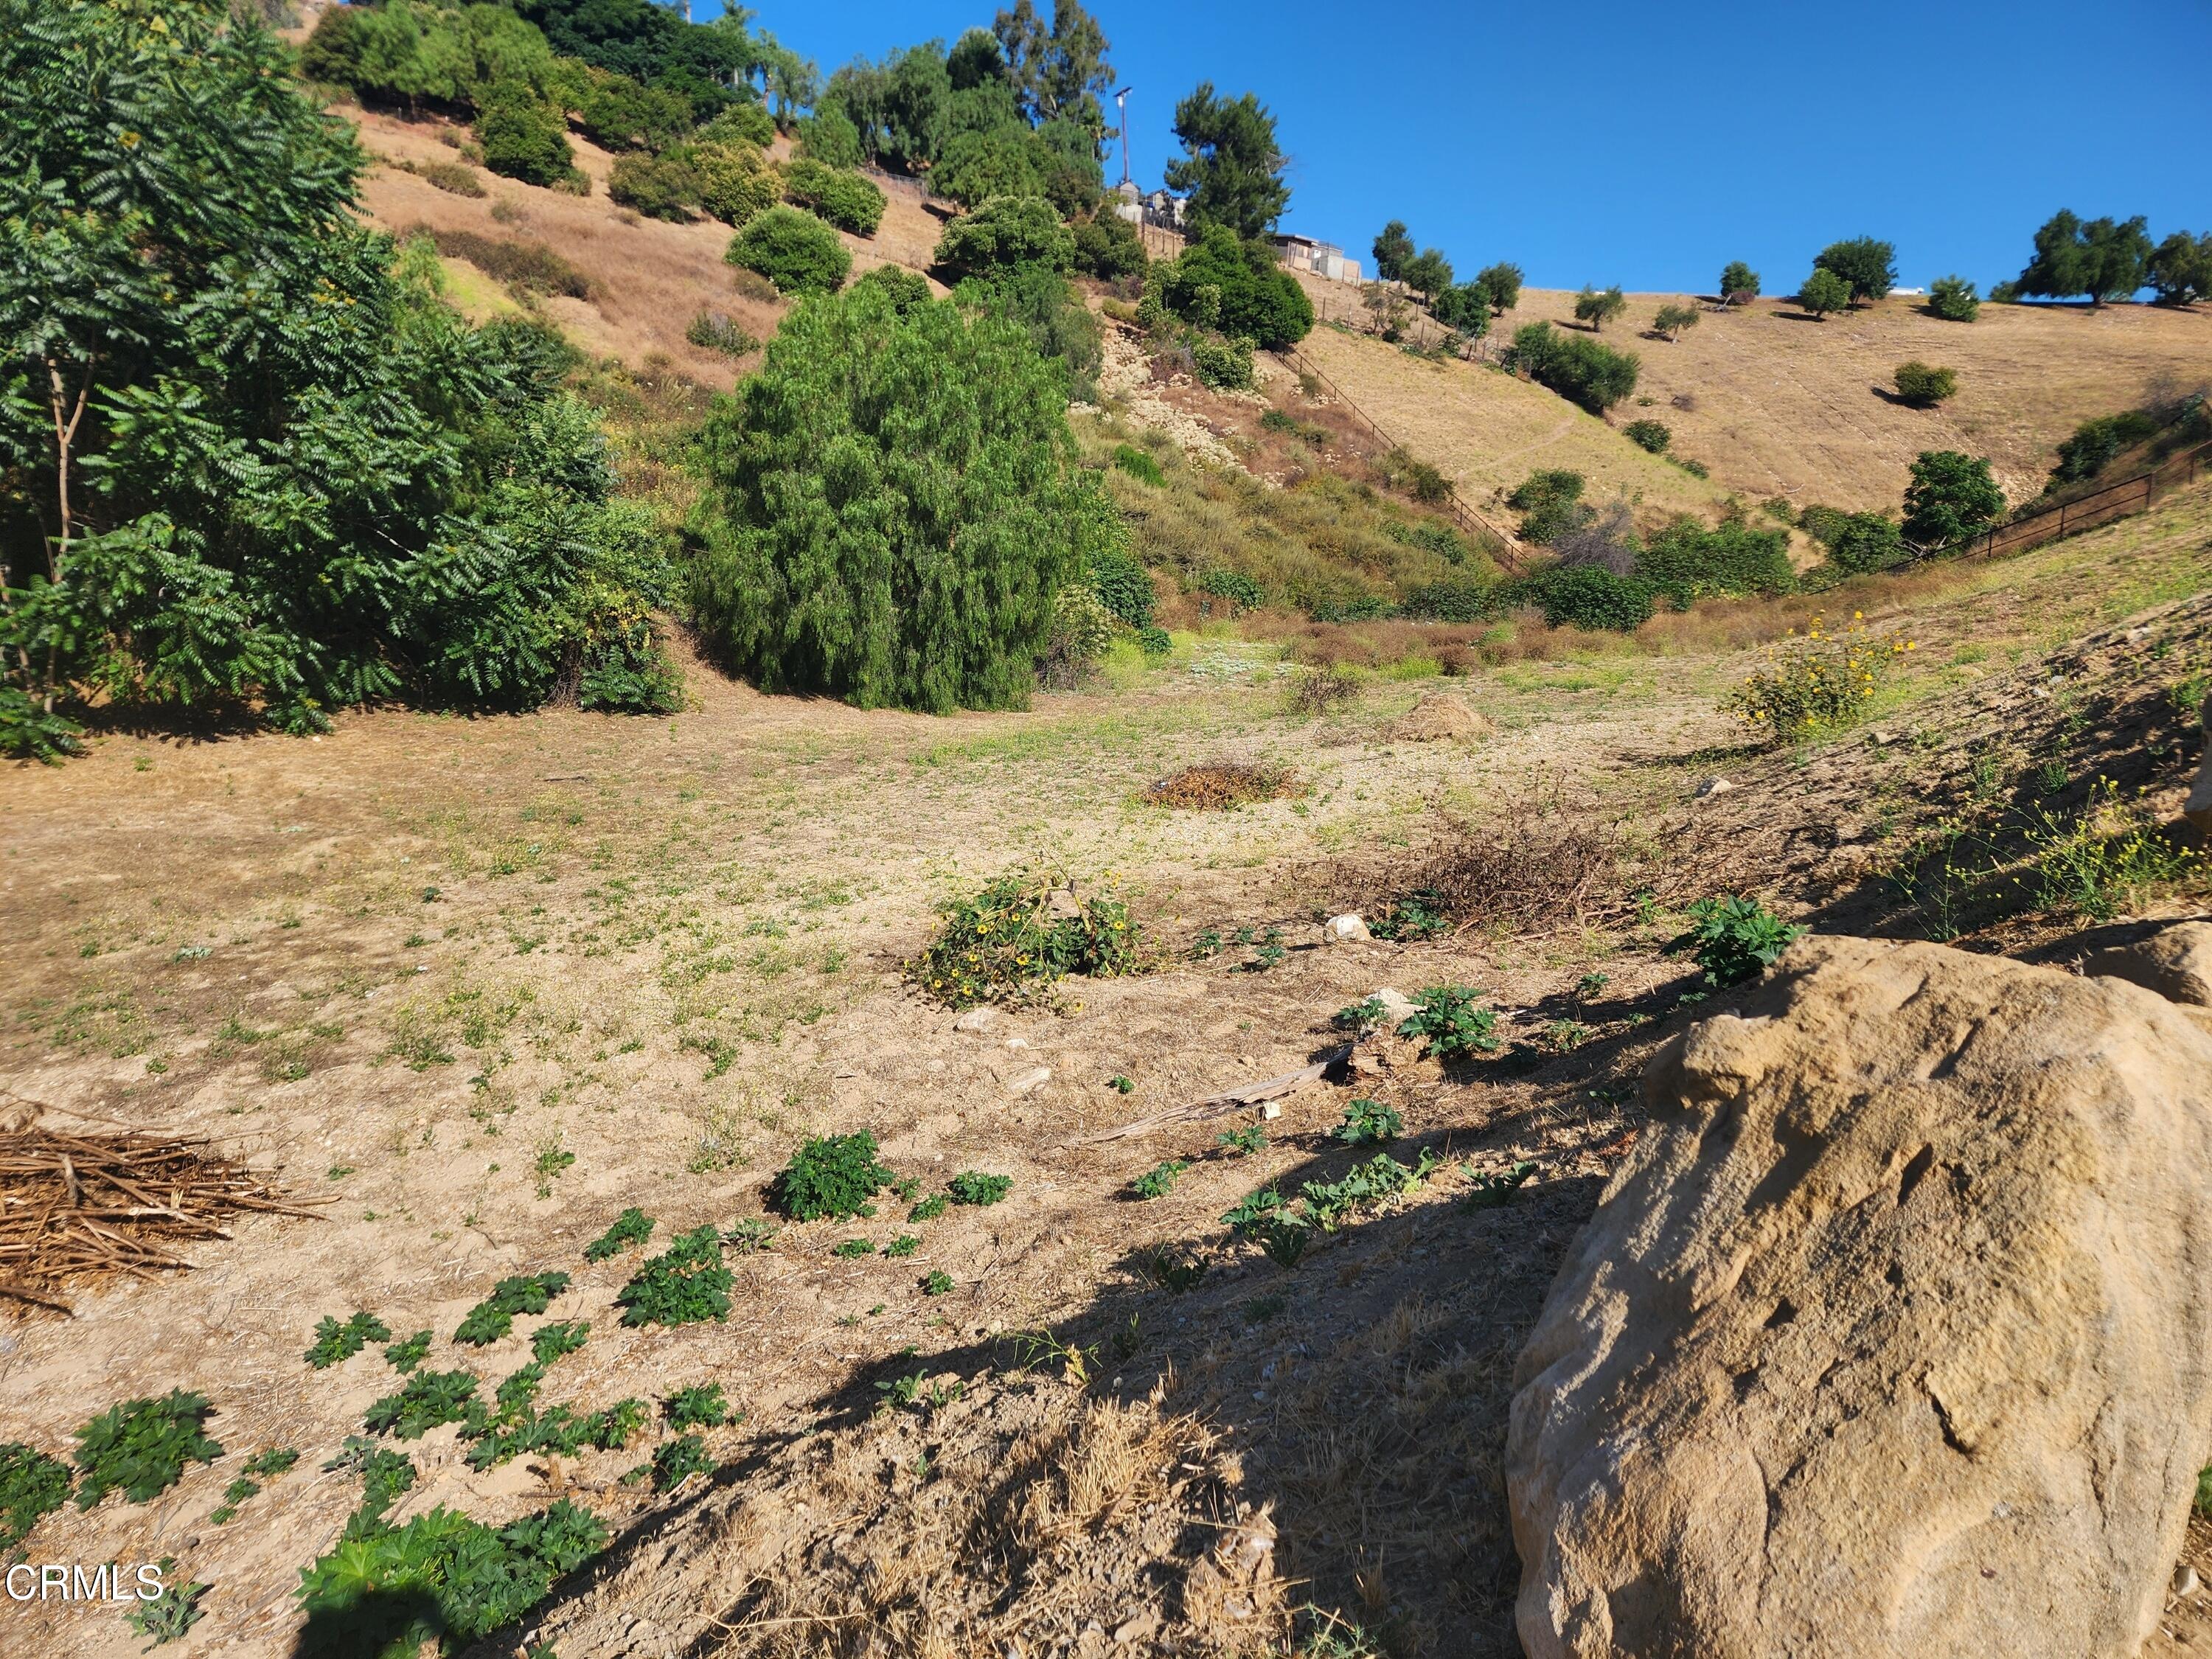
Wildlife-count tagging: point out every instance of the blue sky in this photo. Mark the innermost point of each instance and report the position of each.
(1648, 144)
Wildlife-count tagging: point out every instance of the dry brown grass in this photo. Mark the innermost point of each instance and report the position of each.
(1219, 785)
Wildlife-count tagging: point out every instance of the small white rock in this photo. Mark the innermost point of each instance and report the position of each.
(1338, 930)
(1035, 1077)
(976, 1019)
(1712, 786)
(2185, 1582)
(1397, 1007)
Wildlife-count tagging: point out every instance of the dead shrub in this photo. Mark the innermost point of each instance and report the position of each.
(530, 266)
(1220, 785)
(1321, 691)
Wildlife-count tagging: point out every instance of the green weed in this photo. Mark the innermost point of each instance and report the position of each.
(170, 1614)
(32, 1487)
(698, 1406)
(972, 1186)
(930, 1208)
(429, 1399)
(384, 1476)
(264, 1465)
(562, 1337)
(678, 1459)
(1447, 1018)
(140, 1448)
(334, 1341)
(1734, 938)
(1369, 1122)
(832, 1177)
(1494, 1190)
(853, 1248)
(683, 1286)
(1243, 1142)
(1012, 941)
(1159, 1180)
(494, 1318)
(407, 1355)
(905, 1245)
(936, 1284)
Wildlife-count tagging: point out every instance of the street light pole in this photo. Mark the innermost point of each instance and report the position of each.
(1121, 98)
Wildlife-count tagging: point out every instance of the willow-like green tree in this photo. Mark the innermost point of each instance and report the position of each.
(243, 458)
(895, 501)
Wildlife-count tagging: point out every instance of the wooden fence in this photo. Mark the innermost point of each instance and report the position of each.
(2117, 501)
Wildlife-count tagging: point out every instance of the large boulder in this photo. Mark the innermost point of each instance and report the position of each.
(1894, 1336)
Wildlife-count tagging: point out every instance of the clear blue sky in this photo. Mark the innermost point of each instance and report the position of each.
(1648, 144)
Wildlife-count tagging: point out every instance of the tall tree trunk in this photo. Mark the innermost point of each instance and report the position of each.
(65, 426)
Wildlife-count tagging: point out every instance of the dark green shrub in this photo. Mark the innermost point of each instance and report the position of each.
(740, 124)
(1123, 585)
(685, 1283)
(1953, 299)
(733, 182)
(1739, 278)
(1824, 292)
(31, 1486)
(1464, 309)
(1687, 560)
(2180, 269)
(1454, 601)
(1257, 299)
(840, 197)
(494, 1318)
(1060, 327)
(632, 1226)
(1867, 266)
(1108, 246)
(1735, 939)
(893, 502)
(1502, 283)
(1138, 465)
(1550, 502)
(1951, 496)
(827, 136)
(831, 1178)
(1587, 597)
(524, 138)
(1224, 364)
(1923, 386)
(170, 1615)
(619, 113)
(936, 1284)
(1006, 231)
(1369, 1122)
(1451, 1023)
(972, 1186)
(2096, 443)
(442, 1579)
(1583, 370)
(1013, 941)
(1864, 542)
(1650, 436)
(793, 250)
(334, 1341)
(140, 1448)
(658, 186)
(1234, 585)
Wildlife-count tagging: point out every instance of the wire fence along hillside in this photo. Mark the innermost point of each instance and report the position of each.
(1468, 518)
(2116, 501)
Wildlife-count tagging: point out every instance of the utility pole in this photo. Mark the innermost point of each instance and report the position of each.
(1121, 98)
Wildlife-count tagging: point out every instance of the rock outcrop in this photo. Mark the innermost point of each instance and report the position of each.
(1892, 1336)
(2175, 961)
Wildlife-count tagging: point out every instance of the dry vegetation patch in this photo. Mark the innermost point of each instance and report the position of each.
(1218, 785)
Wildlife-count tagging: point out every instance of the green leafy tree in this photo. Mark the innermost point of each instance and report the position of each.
(894, 500)
(1824, 292)
(1254, 298)
(1393, 247)
(793, 250)
(1951, 497)
(2104, 259)
(976, 60)
(1059, 71)
(1006, 231)
(1671, 319)
(1597, 307)
(247, 461)
(1868, 266)
(617, 113)
(1953, 299)
(1865, 542)
(1579, 368)
(1464, 308)
(416, 54)
(1924, 386)
(2180, 269)
(837, 196)
(1231, 168)
(524, 138)
(1107, 245)
(1428, 273)
(1738, 279)
(830, 136)
(1502, 283)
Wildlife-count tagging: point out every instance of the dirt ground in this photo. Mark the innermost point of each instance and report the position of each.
(485, 983)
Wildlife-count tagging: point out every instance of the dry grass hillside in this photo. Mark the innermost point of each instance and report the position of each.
(1776, 403)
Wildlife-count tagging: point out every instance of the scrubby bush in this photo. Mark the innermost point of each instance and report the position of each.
(658, 186)
(1013, 941)
(414, 52)
(1824, 292)
(1953, 299)
(1060, 327)
(829, 136)
(1598, 307)
(619, 113)
(2097, 443)
(1122, 585)
(1587, 597)
(1867, 266)
(1583, 370)
(894, 500)
(1224, 364)
(739, 124)
(1671, 319)
(836, 195)
(1550, 501)
(1004, 232)
(1863, 542)
(1813, 682)
(1951, 496)
(735, 182)
(1687, 561)
(1108, 246)
(793, 250)
(1924, 386)
(1738, 278)
(1650, 436)
(523, 137)
(710, 331)
(1258, 299)
(1464, 309)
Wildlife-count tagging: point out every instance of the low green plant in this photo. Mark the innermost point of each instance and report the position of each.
(494, 1318)
(750, 1235)
(1650, 436)
(1254, 1211)
(972, 1186)
(1243, 1142)
(1284, 1240)
(1562, 1037)
(832, 1177)
(1369, 1122)
(407, 1353)
(2097, 863)
(32, 1487)
(170, 1614)
(930, 1208)
(710, 331)
(1018, 936)
(851, 1248)
(1453, 1025)
(1268, 953)
(1735, 938)
(1416, 915)
(701, 1406)
(1490, 1189)
(260, 1467)
(1159, 1180)
(334, 1341)
(1173, 1272)
(385, 1475)
(140, 1447)
(442, 1578)
(1815, 683)
(676, 1461)
(429, 1399)
(632, 1226)
(685, 1284)
(935, 1283)
(1139, 465)
(905, 1245)
(1325, 1204)
(562, 1337)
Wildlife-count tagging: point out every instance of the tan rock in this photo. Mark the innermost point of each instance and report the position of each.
(2198, 811)
(1890, 1337)
(2175, 961)
(1437, 716)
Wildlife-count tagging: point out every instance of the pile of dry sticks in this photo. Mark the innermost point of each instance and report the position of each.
(75, 1206)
